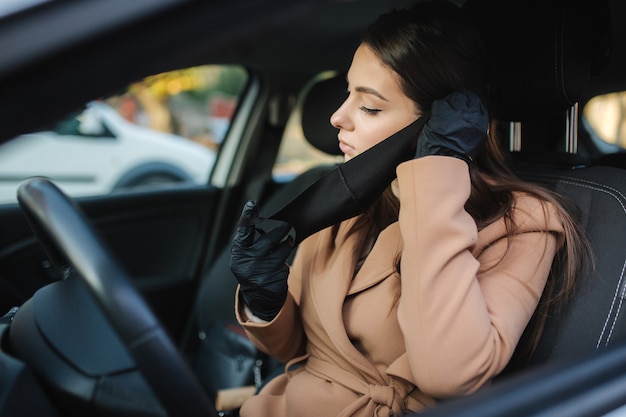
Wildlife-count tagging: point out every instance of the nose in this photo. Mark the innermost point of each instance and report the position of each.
(339, 119)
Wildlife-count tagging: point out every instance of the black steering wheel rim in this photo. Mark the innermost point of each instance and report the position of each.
(67, 234)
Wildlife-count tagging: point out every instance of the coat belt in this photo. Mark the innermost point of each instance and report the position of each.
(379, 400)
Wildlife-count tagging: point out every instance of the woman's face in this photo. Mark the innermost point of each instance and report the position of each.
(375, 108)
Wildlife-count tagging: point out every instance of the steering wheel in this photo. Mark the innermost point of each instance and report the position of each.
(66, 234)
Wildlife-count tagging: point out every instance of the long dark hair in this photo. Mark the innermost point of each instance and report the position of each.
(435, 50)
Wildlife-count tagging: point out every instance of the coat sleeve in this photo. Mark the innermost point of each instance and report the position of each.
(463, 309)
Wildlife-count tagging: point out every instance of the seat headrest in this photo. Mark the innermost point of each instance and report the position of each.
(543, 71)
(319, 103)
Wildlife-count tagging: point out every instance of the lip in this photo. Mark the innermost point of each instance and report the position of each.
(345, 148)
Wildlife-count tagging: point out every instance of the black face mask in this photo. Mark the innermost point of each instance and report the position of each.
(350, 188)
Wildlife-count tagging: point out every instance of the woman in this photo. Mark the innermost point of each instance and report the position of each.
(426, 295)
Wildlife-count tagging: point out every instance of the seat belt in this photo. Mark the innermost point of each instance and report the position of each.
(350, 188)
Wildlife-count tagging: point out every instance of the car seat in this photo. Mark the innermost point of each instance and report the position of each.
(541, 75)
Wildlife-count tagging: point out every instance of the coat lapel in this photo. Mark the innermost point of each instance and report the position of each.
(328, 290)
(378, 266)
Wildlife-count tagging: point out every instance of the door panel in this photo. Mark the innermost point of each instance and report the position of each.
(160, 237)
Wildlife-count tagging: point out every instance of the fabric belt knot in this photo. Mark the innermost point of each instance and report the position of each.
(382, 395)
(376, 399)
(388, 402)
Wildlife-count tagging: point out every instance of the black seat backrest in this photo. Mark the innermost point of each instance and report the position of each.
(595, 318)
(540, 76)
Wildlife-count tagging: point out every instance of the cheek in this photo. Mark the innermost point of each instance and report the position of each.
(374, 140)
(376, 135)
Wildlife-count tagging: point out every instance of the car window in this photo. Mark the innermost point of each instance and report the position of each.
(605, 120)
(296, 154)
(163, 130)
(8, 7)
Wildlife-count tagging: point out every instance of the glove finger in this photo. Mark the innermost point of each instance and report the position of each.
(283, 250)
(271, 240)
(458, 112)
(459, 122)
(245, 229)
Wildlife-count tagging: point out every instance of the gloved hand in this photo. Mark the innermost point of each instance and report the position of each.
(457, 127)
(260, 265)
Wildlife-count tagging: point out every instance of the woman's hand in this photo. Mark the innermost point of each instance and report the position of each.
(457, 127)
(260, 265)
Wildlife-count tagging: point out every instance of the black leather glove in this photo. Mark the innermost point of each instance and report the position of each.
(260, 264)
(457, 127)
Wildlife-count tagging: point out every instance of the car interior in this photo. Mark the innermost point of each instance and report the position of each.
(110, 298)
(561, 82)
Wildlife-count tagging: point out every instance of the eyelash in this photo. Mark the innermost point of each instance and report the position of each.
(368, 111)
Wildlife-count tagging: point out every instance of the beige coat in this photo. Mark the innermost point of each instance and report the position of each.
(463, 307)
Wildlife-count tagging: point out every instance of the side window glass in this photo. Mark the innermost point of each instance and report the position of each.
(605, 120)
(296, 154)
(163, 130)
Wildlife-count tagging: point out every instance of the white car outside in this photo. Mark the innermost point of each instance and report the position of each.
(100, 153)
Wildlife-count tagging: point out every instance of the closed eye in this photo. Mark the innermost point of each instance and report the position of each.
(368, 111)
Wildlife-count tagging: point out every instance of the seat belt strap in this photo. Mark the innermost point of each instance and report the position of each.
(350, 188)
